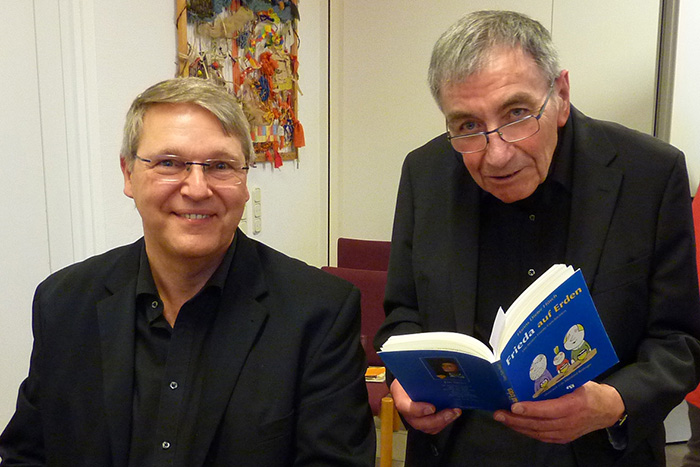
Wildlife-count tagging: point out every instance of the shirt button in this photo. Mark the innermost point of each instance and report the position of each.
(173, 385)
(165, 445)
(530, 272)
(154, 304)
(531, 217)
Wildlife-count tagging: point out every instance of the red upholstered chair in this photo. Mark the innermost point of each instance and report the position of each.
(694, 397)
(363, 254)
(371, 285)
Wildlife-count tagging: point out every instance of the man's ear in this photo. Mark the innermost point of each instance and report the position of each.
(563, 98)
(127, 177)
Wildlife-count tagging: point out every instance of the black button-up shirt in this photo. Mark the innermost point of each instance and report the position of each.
(519, 241)
(166, 380)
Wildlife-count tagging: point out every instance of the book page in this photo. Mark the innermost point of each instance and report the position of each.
(521, 308)
(497, 330)
(451, 341)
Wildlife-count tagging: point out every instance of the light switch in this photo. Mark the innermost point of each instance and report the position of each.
(257, 210)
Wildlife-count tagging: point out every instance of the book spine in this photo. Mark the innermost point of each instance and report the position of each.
(505, 383)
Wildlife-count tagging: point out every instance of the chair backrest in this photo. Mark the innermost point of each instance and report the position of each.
(694, 396)
(363, 254)
(371, 285)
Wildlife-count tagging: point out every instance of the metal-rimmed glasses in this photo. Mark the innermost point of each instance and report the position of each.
(170, 168)
(512, 132)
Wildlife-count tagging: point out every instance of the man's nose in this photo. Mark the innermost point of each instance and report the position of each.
(196, 184)
(498, 152)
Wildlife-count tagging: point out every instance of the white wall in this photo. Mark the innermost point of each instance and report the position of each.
(136, 50)
(295, 197)
(612, 82)
(134, 46)
(685, 133)
(382, 108)
(24, 248)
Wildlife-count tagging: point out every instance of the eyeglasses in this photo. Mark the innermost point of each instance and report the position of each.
(511, 132)
(169, 168)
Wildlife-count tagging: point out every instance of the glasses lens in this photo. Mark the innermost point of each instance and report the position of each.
(469, 143)
(520, 129)
(169, 167)
(225, 169)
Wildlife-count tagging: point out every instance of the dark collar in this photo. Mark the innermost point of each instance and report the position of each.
(561, 169)
(146, 286)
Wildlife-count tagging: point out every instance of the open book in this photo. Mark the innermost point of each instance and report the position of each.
(548, 343)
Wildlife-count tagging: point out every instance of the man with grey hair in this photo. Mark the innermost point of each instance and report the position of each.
(522, 180)
(195, 345)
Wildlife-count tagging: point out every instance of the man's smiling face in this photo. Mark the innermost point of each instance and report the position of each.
(193, 218)
(510, 86)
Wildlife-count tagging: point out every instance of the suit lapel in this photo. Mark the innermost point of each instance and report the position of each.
(594, 195)
(464, 247)
(238, 322)
(116, 321)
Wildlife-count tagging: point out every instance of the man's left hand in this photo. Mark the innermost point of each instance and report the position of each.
(591, 407)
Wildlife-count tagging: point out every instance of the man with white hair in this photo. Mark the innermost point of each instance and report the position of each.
(522, 180)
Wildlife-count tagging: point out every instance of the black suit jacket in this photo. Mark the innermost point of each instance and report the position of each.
(283, 368)
(630, 233)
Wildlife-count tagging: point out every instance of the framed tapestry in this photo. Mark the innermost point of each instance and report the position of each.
(249, 46)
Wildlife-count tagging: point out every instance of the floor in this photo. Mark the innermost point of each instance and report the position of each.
(674, 451)
(674, 454)
(398, 447)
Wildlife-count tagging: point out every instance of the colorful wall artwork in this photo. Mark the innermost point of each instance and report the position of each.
(249, 46)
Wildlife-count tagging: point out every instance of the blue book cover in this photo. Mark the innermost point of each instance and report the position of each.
(558, 347)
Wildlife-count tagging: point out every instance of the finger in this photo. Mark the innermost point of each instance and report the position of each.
(549, 409)
(561, 430)
(557, 437)
(435, 423)
(534, 423)
(421, 415)
(578, 400)
(548, 428)
(406, 406)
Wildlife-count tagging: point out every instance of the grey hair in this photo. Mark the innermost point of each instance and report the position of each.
(464, 49)
(204, 93)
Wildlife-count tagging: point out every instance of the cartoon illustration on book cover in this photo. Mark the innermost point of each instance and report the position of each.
(560, 361)
(539, 372)
(573, 341)
(581, 352)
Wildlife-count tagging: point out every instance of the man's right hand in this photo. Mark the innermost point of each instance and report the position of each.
(421, 415)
